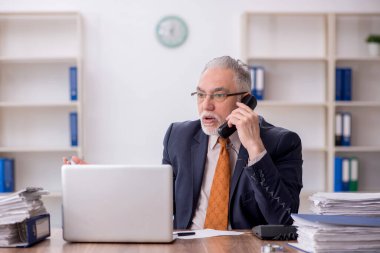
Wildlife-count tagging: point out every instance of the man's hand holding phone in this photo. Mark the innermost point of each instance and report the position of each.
(247, 124)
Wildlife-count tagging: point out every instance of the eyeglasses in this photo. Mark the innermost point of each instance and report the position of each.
(218, 97)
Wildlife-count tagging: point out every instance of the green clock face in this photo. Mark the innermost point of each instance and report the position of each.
(171, 31)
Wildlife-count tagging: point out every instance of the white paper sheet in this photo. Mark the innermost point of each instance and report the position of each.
(346, 203)
(18, 206)
(346, 229)
(203, 233)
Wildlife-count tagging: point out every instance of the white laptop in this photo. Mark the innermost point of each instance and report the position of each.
(117, 203)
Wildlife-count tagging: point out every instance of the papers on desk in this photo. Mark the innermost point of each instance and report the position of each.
(23, 218)
(337, 233)
(347, 203)
(203, 233)
(21, 205)
(344, 222)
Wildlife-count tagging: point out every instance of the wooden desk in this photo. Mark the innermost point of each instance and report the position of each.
(234, 244)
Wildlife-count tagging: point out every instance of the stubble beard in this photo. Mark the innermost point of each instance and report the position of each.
(210, 130)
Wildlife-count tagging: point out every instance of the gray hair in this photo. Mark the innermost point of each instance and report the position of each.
(242, 76)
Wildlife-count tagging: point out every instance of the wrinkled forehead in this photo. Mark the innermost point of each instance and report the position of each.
(217, 79)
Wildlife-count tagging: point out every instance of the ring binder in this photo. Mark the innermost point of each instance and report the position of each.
(26, 233)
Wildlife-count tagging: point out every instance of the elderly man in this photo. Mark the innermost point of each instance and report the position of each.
(254, 177)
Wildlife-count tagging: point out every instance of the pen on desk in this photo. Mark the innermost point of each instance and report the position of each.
(185, 233)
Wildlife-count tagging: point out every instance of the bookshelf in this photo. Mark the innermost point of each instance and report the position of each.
(365, 104)
(300, 52)
(36, 52)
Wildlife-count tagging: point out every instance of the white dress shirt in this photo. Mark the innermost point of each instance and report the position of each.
(211, 161)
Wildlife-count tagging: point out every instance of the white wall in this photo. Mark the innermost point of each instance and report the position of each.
(134, 87)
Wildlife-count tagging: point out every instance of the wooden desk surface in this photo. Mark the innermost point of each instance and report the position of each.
(242, 243)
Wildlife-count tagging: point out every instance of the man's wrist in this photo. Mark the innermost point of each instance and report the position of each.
(256, 159)
(256, 150)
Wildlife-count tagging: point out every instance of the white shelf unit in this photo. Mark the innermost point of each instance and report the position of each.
(299, 52)
(365, 105)
(36, 52)
(292, 48)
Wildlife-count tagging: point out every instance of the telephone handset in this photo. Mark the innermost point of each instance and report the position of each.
(224, 130)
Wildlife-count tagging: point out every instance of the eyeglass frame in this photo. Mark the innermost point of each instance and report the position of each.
(212, 96)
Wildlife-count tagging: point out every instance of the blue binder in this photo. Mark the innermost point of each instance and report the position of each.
(31, 231)
(338, 84)
(346, 174)
(338, 180)
(37, 229)
(74, 129)
(257, 80)
(346, 137)
(338, 128)
(347, 84)
(7, 181)
(2, 172)
(73, 83)
(345, 220)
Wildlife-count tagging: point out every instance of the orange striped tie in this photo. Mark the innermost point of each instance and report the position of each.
(217, 210)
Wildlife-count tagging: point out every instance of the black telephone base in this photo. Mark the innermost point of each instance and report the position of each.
(275, 232)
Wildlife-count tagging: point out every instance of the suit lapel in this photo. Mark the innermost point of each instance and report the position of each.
(198, 160)
(241, 162)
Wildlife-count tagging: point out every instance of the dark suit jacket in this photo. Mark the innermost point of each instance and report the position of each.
(265, 193)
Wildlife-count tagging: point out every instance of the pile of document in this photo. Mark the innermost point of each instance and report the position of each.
(343, 222)
(346, 203)
(23, 218)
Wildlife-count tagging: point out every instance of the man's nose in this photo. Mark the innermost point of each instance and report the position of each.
(208, 103)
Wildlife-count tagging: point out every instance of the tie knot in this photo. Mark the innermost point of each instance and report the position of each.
(223, 142)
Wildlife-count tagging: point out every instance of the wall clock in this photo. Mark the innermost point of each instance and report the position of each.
(171, 31)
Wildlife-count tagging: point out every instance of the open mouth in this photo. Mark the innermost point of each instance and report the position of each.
(209, 120)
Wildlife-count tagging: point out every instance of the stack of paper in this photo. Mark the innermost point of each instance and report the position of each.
(20, 212)
(337, 233)
(344, 222)
(346, 203)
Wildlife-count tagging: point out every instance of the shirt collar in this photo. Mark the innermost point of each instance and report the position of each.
(234, 140)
